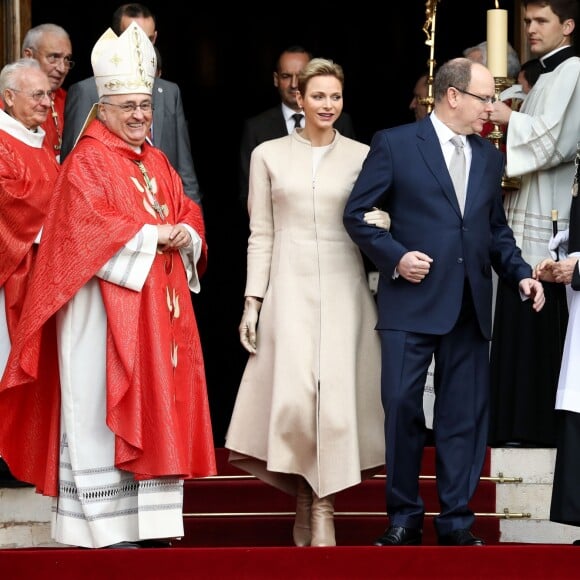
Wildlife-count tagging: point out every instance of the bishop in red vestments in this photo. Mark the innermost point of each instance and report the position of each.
(122, 249)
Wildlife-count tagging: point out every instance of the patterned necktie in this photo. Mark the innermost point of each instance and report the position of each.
(457, 171)
(297, 119)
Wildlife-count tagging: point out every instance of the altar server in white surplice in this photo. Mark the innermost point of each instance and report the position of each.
(540, 149)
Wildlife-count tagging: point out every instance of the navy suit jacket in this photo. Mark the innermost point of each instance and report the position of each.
(271, 124)
(405, 173)
(170, 131)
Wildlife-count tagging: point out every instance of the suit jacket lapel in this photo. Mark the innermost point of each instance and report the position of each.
(281, 122)
(430, 149)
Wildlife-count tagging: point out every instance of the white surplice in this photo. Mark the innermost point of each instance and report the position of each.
(98, 504)
(541, 147)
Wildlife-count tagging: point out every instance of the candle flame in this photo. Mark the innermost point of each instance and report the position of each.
(497, 4)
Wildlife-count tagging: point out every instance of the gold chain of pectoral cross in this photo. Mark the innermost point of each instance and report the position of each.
(54, 115)
(156, 205)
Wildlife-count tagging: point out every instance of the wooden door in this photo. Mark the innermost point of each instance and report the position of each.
(15, 20)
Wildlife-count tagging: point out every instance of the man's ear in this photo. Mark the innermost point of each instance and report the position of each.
(27, 53)
(8, 99)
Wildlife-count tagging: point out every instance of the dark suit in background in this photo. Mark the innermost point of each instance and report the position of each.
(270, 124)
(170, 132)
(447, 311)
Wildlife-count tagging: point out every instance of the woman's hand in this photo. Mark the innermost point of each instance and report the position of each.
(249, 323)
(379, 218)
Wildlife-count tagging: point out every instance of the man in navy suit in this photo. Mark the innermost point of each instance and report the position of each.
(435, 295)
(278, 121)
(169, 128)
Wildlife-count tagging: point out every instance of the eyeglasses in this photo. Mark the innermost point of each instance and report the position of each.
(484, 100)
(145, 107)
(53, 58)
(35, 95)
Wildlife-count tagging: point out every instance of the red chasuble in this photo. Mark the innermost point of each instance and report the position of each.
(27, 178)
(157, 402)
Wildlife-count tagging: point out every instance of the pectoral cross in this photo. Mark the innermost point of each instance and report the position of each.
(160, 210)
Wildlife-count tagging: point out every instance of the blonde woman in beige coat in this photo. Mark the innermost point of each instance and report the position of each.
(308, 417)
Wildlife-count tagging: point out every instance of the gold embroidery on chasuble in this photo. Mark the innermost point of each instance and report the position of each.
(153, 204)
(151, 201)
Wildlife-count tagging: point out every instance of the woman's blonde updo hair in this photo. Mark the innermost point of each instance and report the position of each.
(319, 67)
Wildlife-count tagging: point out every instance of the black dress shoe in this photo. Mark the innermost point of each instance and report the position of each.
(11, 481)
(124, 546)
(155, 543)
(7, 479)
(460, 538)
(400, 536)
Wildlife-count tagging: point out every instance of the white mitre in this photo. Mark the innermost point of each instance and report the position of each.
(124, 64)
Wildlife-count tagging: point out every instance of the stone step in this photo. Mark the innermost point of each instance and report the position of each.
(531, 496)
(528, 474)
(24, 518)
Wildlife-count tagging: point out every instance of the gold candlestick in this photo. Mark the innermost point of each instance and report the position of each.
(496, 136)
(429, 30)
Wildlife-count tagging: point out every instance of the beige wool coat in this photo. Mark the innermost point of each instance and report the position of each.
(309, 400)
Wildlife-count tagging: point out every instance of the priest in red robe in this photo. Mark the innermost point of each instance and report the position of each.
(51, 46)
(122, 249)
(28, 171)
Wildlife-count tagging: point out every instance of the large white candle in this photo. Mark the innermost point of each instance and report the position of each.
(497, 44)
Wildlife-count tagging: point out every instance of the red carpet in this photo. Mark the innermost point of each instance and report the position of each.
(239, 528)
(212, 504)
(348, 563)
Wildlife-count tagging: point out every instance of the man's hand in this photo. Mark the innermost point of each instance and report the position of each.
(552, 271)
(172, 237)
(501, 113)
(543, 270)
(535, 290)
(414, 266)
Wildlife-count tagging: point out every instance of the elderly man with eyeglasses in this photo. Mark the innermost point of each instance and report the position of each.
(116, 393)
(28, 171)
(50, 45)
